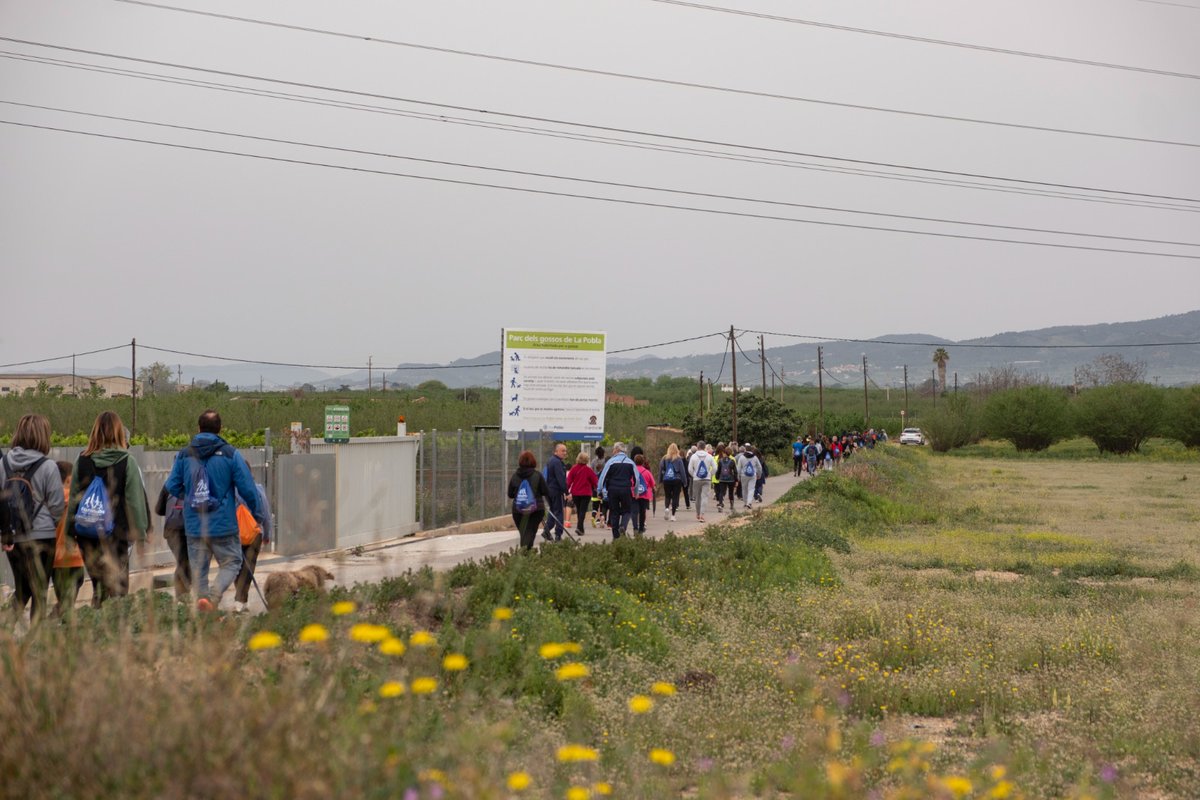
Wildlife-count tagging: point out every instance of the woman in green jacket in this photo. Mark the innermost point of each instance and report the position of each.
(107, 556)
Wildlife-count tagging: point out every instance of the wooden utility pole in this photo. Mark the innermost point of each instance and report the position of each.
(370, 378)
(821, 386)
(702, 395)
(133, 384)
(74, 388)
(866, 397)
(733, 358)
(956, 381)
(762, 359)
(933, 378)
(906, 390)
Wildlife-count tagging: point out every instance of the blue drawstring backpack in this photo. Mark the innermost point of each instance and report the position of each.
(526, 501)
(94, 516)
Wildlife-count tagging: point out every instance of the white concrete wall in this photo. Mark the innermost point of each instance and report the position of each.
(376, 488)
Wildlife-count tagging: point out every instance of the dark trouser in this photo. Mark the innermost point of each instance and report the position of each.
(758, 486)
(177, 542)
(107, 563)
(582, 502)
(687, 492)
(241, 585)
(671, 490)
(31, 564)
(527, 526)
(643, 505)
(67, 581)
(797, 465)
(724, 488)
(620, 503)
(555, 518)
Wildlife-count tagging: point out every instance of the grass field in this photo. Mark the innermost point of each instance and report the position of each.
(913, 626)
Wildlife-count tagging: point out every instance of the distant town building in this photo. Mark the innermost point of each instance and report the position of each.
(624, 400)
(18, 383)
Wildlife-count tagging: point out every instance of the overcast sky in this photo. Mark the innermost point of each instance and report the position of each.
(102, 240)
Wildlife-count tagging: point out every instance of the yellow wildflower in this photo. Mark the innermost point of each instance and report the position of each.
(500, 614)
(602, 788)
(663, 688)
(315, 632)
(570, 753)
(1001, 790)
(574, 648)
(422, 639)
(518, 781)
(640, 704)
(662, 757)
(551, 650)
(264, 640)
(836, 772)
(391, 646)
(391, 689)
(432, 776)
(578, 793)
(343, 607)
(958, 785)
(368, 633)
(424, 685)
(454, 662)
(571, 671)
(997, 771)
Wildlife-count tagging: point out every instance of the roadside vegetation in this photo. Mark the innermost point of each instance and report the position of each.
(911, 626)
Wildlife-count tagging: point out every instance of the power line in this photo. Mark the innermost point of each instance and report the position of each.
(983, 346)
(63, 358)
(922, 39)
(1033, 187)
(664, 344)
(599, 198)
(597, 182)
(648, 79)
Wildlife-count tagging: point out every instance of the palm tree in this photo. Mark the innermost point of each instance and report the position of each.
(940, 357)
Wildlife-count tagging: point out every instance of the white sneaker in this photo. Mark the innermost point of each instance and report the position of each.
(672, 518)
(239, 608)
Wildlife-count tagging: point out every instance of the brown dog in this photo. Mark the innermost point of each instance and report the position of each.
(284, 585)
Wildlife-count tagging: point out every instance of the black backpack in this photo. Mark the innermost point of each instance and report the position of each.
(19, 504)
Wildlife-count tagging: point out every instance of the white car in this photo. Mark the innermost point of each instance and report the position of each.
(912, 436)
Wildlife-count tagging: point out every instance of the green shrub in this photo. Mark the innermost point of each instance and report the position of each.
(1118, 418)
(763, 421)
(955, 423)
(1183, 416)
(1031, 417)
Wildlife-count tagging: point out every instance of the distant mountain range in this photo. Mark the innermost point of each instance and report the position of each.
(1053, 352)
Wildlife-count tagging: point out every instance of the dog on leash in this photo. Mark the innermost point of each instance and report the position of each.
(282, 586)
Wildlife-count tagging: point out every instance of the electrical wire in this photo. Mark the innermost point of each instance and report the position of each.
(980, 346)
(600, 198)
(922, 39)
(63, 358)
(597, 182)
(648, 79)
(664, 344)
(439, 117)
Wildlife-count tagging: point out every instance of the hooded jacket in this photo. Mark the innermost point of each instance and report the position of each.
(227, 471)
(47, 491)
(131, 507)
(619, 475)
(536, 482)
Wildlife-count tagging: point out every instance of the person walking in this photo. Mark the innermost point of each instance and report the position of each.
(68, 561)
(106, 457)
(556, 491)
(748, 470)
(671, 471)
(527, 489)
(724, 477)
(30, 514)
(797, 456)
(762, 476)
(582, 482)
(644, 491)
(205, 475)
(701, 467)
(171, 509)
(250, 551)
(599, 506)
(616, 487)
(811, 453)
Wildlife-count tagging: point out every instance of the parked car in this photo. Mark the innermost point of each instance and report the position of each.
(912, 436)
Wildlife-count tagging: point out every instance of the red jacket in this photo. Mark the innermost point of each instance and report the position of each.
(582, 480)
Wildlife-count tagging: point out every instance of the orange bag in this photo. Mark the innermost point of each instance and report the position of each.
(248, 527)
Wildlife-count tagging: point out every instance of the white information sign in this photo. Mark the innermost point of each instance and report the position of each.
(554, 383)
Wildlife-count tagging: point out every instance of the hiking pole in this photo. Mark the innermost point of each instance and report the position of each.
(567, 529)
(254, 581)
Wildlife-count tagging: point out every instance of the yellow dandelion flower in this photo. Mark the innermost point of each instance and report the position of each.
(311, 634)
(367, 633)
(454, 662)
(391, 646)
(431, 776)
(574, 648)
(422, 639)
(640, 704)
(343, 607)
(391, 689)
(663, 688)
(1001, 790)
(572, 670)
(602, 788)
(958, 785)
(662, 757)
(578, 793)
(518, 781)
(997, 771)
(500, 614)
(552, 650)
(570, 753)
(837, 772)
(264, 640)
(424, 685)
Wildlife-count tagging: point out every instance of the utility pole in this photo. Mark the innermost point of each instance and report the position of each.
(702, 395)
(821, 386)
(733, 358)
(710, 382)
(906, 390)
(933, 379)
(369, 380)
(133, 383)
(762, 359)
(260, 384)
(74, 389)
(179, 374)
(956, 381)
(866, 398)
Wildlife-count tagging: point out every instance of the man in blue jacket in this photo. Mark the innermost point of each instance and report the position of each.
(616, 486)
(205, 475)
(556, 490)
